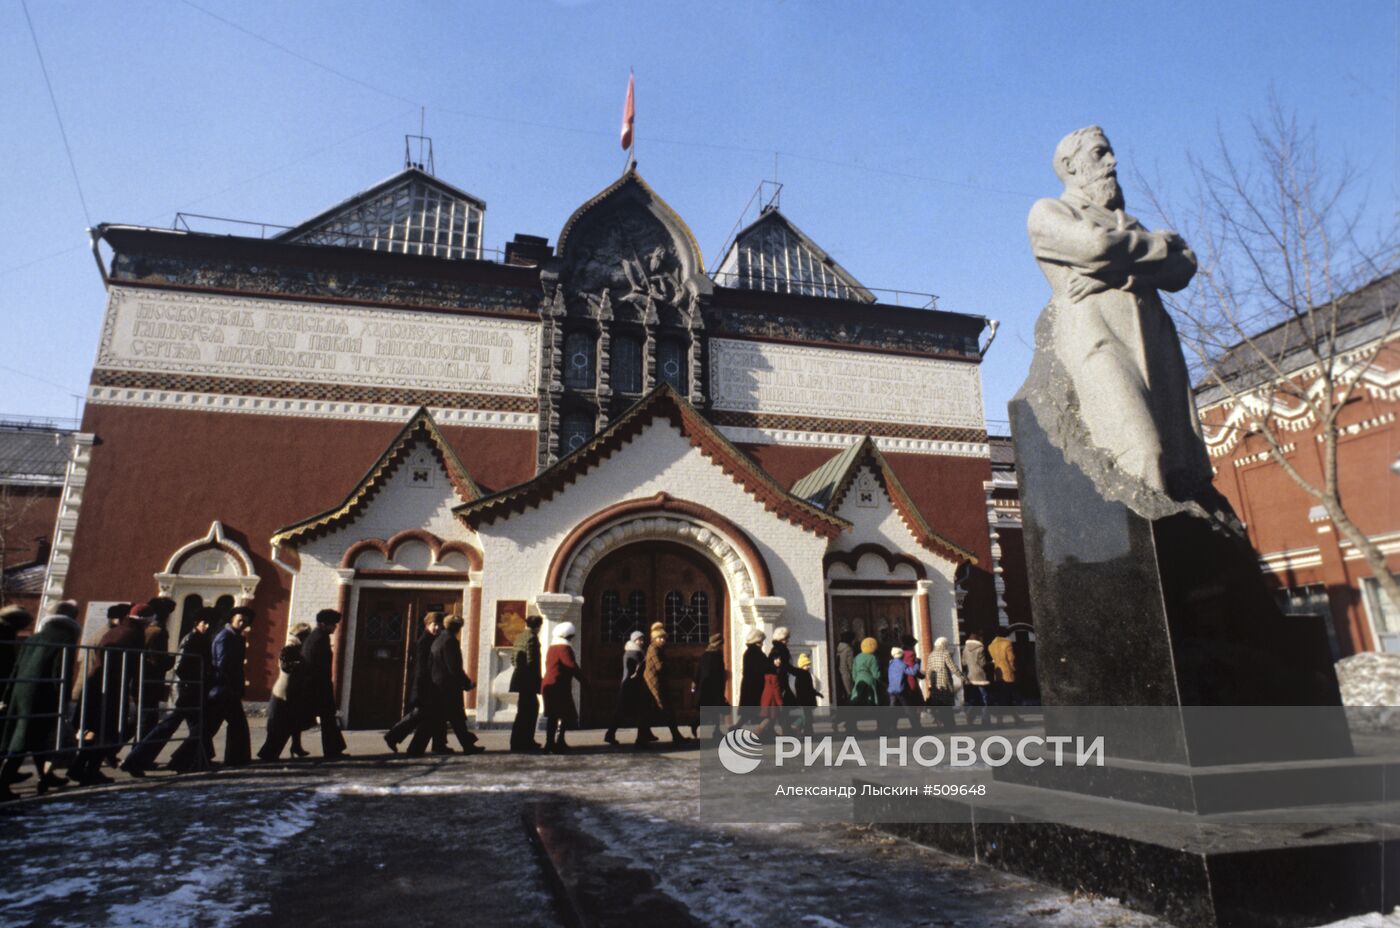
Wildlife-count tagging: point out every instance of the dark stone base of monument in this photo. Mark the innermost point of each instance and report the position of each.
(1193, 875)
(1170, 611)
(1221, 788)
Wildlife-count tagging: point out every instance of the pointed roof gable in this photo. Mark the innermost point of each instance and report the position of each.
(631, 186)
(827, 486)
(411, 212)
(420, 427)
(662, 402)
(771, 253)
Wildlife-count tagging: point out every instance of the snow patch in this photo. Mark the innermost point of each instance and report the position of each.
(369, 789)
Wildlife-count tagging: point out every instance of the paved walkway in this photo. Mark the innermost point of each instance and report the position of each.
(377, 839)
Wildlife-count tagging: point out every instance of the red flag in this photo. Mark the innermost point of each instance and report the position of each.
(629, 111)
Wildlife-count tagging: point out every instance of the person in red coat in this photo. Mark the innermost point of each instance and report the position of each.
(557, 688)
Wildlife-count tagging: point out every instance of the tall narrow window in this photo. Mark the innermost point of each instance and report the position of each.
(575, 428)
(578, 360)
(627, 364)
(671, 364)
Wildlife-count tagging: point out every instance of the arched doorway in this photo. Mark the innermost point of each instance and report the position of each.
(632, 587)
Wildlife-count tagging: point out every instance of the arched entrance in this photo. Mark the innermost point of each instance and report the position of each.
(632, 587)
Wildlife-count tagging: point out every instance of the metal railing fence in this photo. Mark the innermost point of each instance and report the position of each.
(100, 698)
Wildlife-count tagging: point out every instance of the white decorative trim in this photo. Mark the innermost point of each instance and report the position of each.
(245, 581)
(311, 409)
(1389, 544)
(170, 331)
(745, 435)
(685, 530)
(804, 380)
(66, 525)
(1293, 559)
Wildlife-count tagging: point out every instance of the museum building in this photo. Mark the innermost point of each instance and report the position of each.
(364, 412)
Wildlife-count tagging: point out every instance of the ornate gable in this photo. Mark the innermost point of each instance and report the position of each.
(829, 485)
(663, 402)
(420, 447)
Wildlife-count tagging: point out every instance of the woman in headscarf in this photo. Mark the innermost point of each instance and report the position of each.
(629, 703)
(943, 682)
(557, 688)
(865, 674)
(751, 683)
(710, 677)
(654, 674)
(781, 658)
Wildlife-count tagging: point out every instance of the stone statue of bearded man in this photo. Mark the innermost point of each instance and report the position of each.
(1106, 326)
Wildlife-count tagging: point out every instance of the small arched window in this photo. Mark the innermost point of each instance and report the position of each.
(671, 364)
(578, 360)
(627, 364)
(575, 428)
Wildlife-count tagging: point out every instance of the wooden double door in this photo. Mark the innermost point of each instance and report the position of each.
(887, 619)
(629, 590)
(386, 625)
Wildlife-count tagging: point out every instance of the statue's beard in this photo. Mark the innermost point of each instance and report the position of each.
(1104, 191)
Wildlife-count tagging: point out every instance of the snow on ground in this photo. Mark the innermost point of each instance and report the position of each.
(378, 840)
(121, 859)
(1370, 679)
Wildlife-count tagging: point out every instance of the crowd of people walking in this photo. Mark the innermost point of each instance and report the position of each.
(63, 706)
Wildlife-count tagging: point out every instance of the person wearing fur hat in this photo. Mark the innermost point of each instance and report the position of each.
(193, 675)
(655, 674)
(629, 695)
(157, 660)
(865, 675)
(978, 689)
(557, 688)
(450, 682)
(710, 676)
(229, 654)
(35, 698)
(781, 658)
(109, 681)
(526, 670)
(804, 690)
(320, 687)
(752, 670)
(943, 682)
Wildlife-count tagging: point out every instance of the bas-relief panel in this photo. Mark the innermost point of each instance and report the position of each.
(265, 339)
(762, 377)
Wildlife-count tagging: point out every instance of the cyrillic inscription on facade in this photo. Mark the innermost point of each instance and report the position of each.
(792, 380)
(277, 340)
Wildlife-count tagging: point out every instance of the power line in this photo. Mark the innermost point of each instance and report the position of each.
(15, 370)
(298, 55)
(72, 165)
(684, 143)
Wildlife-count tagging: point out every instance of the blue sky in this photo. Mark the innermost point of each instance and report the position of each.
(912, 137)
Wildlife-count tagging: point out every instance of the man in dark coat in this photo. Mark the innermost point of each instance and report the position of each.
(420, 714)
(450, 681)
(13, 620)
(320, 687)
(230, 651)
(34, 701)
(525, 683)
(156, 662)
(194, 677)
(111, 679)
